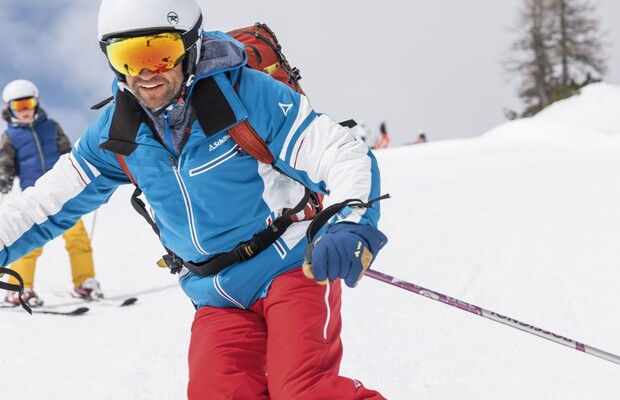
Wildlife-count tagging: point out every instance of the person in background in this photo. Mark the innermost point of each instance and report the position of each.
(29, 147)
(384, 138)
(421, 138)
(265, 326)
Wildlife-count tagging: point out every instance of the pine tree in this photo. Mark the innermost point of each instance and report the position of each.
(559, 50)
(578, 45)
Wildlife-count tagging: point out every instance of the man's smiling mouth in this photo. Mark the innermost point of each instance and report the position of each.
(151, 86)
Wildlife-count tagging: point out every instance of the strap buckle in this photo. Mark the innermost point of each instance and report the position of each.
(247, 250)
(172, 262)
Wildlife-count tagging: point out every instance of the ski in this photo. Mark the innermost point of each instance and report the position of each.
(7, 306)
(128, 301)
(109, 302)
(115, 303)
(43, 310)
(77, 311)
(72, 300)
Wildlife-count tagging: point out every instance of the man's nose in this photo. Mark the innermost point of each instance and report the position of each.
(146, 74)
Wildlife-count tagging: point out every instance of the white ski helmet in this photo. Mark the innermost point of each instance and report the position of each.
(123, 18)
(19, 89)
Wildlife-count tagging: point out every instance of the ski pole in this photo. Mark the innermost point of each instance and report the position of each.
(493, 316)
(92, 227)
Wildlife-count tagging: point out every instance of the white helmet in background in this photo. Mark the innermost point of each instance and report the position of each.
(19, 89)
(127, 18)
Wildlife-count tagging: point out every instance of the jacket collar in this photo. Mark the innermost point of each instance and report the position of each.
(213, 99)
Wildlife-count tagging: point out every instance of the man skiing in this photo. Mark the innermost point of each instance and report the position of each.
(262, 329)
(31, 146)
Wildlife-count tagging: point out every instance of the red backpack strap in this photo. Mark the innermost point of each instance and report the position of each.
(121, 161)
(246, 137)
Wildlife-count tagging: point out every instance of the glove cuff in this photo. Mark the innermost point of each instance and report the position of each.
(374, 238)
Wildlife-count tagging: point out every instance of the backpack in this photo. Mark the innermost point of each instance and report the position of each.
(265, 54)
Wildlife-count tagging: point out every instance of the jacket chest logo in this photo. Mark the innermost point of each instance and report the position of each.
(218, 143)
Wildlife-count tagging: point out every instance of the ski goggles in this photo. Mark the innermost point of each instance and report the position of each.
(156, 52)
(29, 103)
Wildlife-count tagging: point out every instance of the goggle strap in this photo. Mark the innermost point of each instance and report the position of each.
(190, 37)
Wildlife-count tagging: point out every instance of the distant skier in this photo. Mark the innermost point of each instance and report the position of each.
(421, 138)
(268, 322)
(384, 138)
(30, 147)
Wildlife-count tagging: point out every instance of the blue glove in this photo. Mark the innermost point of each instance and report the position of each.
(345, 251)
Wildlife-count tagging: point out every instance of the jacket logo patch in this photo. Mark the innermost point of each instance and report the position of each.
(218, 143)
(285, 107)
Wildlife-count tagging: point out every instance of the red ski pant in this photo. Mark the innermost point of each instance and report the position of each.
(285, 347)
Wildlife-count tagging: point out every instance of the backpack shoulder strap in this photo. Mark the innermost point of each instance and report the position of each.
(246, 137)
(123, 164)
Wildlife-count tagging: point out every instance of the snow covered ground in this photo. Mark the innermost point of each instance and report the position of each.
(523, 220)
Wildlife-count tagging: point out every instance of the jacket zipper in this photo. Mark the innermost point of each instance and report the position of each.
(194, 234)
(39, 149)
(192, 227)
(188, 207)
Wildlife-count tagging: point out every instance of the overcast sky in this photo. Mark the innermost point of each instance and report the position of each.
(434, 66)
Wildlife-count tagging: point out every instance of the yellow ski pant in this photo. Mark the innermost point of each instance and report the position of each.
(77, 244)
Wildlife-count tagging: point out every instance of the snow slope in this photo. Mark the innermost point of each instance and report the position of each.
(523, 220)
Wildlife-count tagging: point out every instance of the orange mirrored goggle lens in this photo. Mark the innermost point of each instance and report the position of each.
(158, 53)
(23, 104)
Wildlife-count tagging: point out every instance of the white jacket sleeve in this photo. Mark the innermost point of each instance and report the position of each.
(331, 158)
(47, 209)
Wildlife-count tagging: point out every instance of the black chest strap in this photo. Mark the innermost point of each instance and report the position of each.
(305, 210)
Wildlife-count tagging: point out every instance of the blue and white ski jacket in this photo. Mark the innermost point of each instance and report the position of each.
(211, 196)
